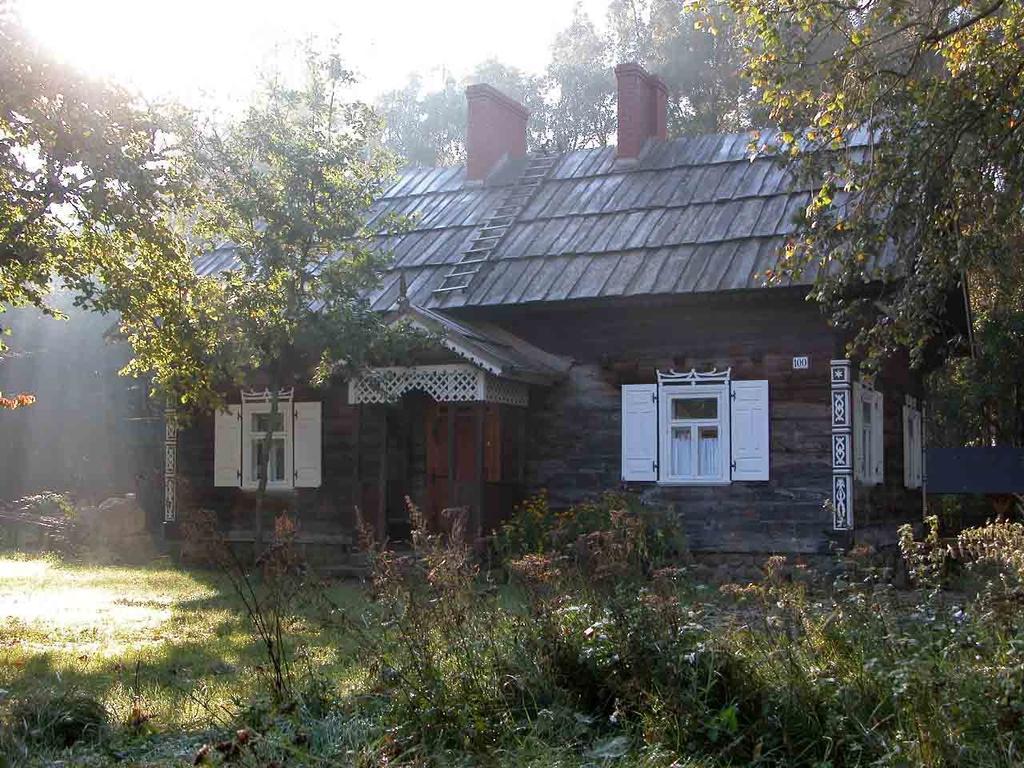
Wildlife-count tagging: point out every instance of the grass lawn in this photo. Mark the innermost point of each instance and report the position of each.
(175, 642)
(551, 662)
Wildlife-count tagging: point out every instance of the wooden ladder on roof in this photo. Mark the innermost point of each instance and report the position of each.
(493, 230)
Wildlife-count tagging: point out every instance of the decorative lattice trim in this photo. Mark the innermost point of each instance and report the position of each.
(257, 396)
(693, 376)
(444, 383)
(505, 392)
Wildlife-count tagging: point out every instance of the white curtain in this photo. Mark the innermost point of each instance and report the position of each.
(707, 453)
(708, 447)
(682, 454)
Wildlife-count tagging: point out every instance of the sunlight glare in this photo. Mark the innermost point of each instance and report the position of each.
(80, 608)
(11, 570)
(203, 52)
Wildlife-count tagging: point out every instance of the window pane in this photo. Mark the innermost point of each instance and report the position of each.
(866, 447)
(261, 421)
(275, 467)
(682, 452)
(707, 452)
(695, 408)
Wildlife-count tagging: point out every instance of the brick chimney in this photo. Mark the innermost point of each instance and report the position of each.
(642, 109)
(496, 128)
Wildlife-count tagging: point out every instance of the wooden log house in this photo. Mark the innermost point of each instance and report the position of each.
(602, 322)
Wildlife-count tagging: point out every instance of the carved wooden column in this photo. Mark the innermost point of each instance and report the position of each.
(170, 465)
(842, 446)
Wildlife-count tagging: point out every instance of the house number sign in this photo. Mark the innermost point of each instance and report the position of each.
(801, 363)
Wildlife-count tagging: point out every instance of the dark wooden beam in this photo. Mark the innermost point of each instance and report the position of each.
(382, 483)
(477, 516)
(520, 416)
(452, 502)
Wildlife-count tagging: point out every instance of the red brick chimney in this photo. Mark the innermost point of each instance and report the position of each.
(642, 109)
(495, 129)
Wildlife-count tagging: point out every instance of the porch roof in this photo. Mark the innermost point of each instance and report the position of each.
(487, 346)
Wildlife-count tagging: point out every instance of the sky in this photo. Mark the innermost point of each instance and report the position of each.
(209, 52)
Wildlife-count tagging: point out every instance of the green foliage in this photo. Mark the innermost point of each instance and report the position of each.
(979, 399)
(49, 503)
(580, 106)
(650, 535)
(88, 176)
(438, 666)
(700, 57)
(572, 104)
(286, 191)
(52, 720)
(798, 677)
(891, 230)
(425, 127)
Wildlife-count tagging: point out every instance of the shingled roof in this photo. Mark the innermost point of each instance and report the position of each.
(694, 214)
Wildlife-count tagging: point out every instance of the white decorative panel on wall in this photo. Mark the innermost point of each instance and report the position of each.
(842, 445)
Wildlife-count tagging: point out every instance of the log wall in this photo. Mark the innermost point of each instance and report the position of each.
(574, 448)
(572, 430)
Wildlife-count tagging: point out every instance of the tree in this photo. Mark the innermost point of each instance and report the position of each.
(429, 127)
(425, 127)
(907, 118)
(581, 102)
(528, 89)
(700, 62)
(87, 176)
(286, 192)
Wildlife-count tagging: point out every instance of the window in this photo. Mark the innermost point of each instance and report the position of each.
(695, 433)
(258, 421)
(868, 435)
(696, 424)
(294, 456)
(913, 445)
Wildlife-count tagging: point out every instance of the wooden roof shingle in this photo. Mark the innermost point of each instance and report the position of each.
(694, 214)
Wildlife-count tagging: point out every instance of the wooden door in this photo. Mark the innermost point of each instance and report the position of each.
(437, 459)
(451, 445)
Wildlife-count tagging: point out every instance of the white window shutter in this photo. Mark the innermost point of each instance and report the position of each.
(878, 439)
(227, 447)
(913, 447)
(640, 432)
(922, 437)
(924, 443)
(858, 433)
(751, 446)
(307, 436)
(908, 447)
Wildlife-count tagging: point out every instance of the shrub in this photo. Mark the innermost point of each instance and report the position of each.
(53, 719)
(597, 650)
(610, 536)
(52, 517)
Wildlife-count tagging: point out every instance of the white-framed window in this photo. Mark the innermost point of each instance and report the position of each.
(868, 434)
(256, 421)
(695, 438)
(295, 445)
(707, 431)
(913, 444)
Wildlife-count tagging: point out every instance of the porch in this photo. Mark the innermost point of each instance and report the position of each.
(453, 427)
(451, 438)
